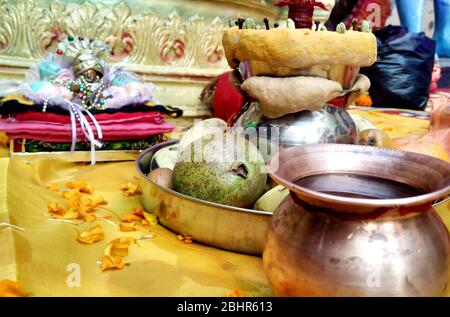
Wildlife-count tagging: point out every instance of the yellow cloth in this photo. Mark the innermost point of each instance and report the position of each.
(4, 150)
(395, 126)
(161, 266)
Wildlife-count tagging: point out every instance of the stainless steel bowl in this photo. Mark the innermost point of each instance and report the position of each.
(328, 125)
(225, 227)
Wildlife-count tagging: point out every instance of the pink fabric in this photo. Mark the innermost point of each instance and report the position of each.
(58, 132)
(104, 118)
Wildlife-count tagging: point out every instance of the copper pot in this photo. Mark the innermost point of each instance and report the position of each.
(359, 222)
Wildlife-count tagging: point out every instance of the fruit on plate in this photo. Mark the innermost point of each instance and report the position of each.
(374, 137)
(165, 157)
(361, 123)
(162, 176)
(270, 201)
(201, 129)
(224, 169)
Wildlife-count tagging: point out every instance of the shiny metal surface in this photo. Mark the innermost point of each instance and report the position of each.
(369, 178)
(315, 254)
(329, 125)
(359, 222)
(230, 228)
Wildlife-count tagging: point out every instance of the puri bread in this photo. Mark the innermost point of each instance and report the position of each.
(281, 96)
(289, 49)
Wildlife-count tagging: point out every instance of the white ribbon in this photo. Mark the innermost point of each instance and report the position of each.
(77, 112)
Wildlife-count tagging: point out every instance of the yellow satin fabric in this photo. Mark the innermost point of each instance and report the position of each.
(394, 125)
(161, 266)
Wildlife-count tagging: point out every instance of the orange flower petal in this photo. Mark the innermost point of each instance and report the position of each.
(54, 209)
(128, 226)
(119, 247)
(236, 293)
(53, 187)
(81, 186)
(10, 288)
(139, 211)
(59, 213)
(131, 218)
(97, 201)
(111, 263)
(151, 219)
(89, 217)
(130, 189)
(92, 235)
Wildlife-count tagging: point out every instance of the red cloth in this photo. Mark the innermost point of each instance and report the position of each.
(52, 127)
(57, 132)
(227, 99)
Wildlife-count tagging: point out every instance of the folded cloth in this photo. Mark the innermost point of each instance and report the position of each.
(58, 132)
(103, 118)
(11, 105)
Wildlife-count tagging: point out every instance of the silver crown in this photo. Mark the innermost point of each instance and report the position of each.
(85, 53)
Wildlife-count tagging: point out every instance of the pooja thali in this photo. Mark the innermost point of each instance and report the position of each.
(226, 227)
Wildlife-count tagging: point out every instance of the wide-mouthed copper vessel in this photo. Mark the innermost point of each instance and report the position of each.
(359, 222)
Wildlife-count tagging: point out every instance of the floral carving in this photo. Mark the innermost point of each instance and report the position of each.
(28, 30)
(160, 48)
(172, 51)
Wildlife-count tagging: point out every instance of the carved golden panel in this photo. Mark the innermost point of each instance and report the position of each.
(179, 52)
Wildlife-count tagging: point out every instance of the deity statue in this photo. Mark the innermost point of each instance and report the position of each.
(79, 73)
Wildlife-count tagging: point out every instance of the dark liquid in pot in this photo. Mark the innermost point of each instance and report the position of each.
(359, 186)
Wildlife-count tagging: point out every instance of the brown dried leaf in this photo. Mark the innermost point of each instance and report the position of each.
(92, 235)
(10, 288)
